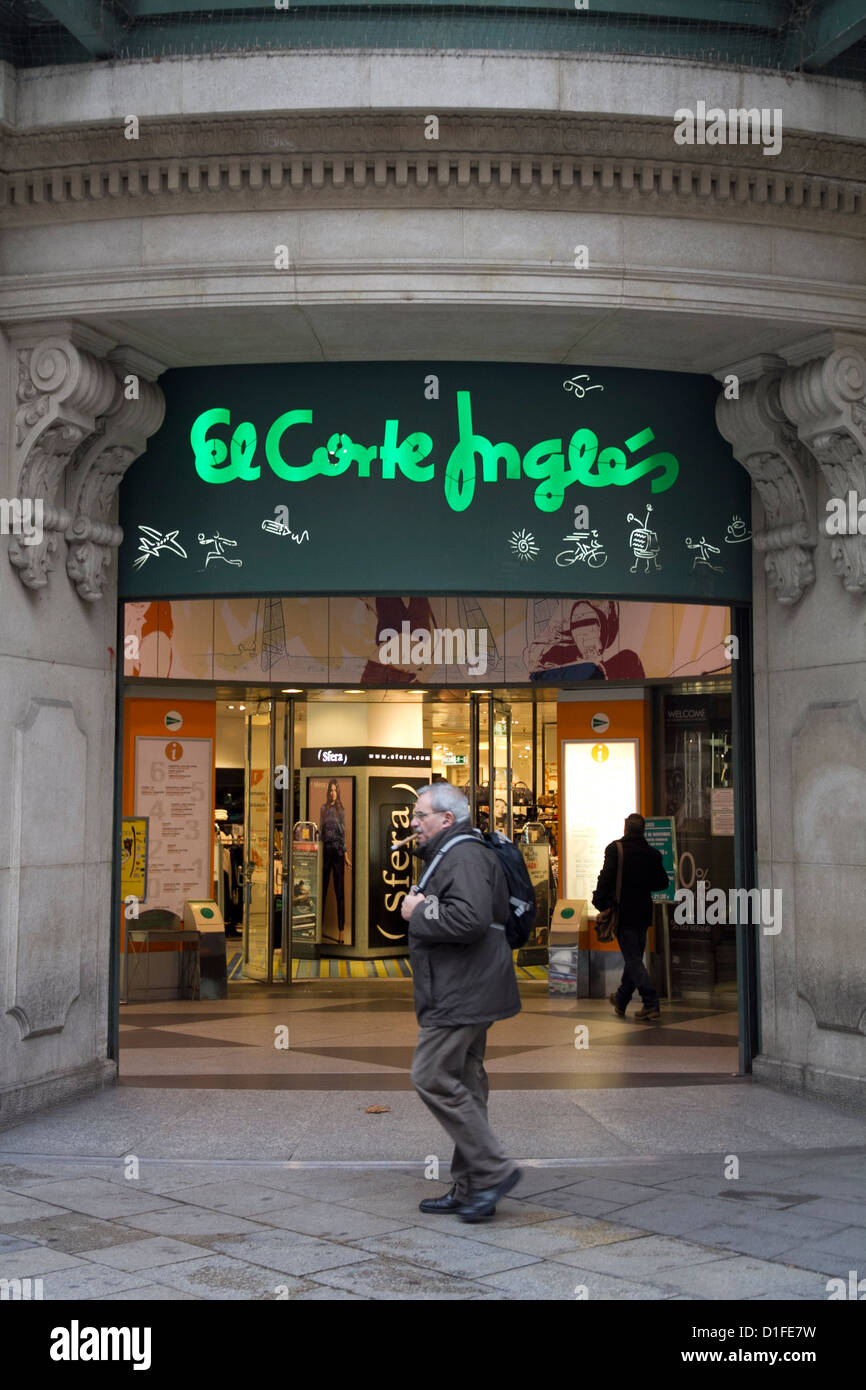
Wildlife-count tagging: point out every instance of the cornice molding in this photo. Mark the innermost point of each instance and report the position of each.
(359, 159)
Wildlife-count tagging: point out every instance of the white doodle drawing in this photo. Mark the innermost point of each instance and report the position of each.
(737, 532)
(704, 551)
(280, 528)
(151, 542)
(523, 544)
(586, 548)
(575, 384)
(217, 541)
(643, 543)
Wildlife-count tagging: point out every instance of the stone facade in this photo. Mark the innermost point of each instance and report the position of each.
(798, 430)
(131, 247)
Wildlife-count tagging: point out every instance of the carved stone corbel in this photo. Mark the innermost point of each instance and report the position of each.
(95, 476)
(62, 390)
(826, 400)
(766, 444)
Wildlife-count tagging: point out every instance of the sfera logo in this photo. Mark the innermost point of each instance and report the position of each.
(444, 646)
(77, 1343)
(736, 126)
(327, 755)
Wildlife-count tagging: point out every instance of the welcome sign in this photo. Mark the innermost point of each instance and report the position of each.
(436, 478)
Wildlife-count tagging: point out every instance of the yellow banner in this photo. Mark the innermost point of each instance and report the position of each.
(133, 857)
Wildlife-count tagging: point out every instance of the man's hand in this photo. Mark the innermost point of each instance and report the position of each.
(409, 903)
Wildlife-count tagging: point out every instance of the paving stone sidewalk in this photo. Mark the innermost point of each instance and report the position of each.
(658, 1228)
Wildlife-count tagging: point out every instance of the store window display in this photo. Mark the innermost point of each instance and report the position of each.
(334, 834)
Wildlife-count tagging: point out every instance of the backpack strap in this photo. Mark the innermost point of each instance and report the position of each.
(444, 850)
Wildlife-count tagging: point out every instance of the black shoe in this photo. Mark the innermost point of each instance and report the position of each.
(481, 1205)
(447, 1202)
(648, 1011)
(611, 999)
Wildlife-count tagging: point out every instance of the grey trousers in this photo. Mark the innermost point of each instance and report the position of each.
(448, 1074)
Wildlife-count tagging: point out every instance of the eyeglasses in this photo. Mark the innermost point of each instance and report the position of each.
(422, 815)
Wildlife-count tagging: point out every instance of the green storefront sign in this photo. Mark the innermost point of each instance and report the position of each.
(659, 831)
(442, 478)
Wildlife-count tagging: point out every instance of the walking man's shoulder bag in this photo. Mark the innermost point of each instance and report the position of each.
(607, 922)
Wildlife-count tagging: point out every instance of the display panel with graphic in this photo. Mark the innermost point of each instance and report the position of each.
(331, 806)
(306, 891)
(173, 788)
(600, 788)
(258, 882)
(133, 857)
(406, 641)
(393, 868)
(536, 856)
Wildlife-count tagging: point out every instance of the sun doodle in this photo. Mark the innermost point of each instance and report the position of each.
(523, 545)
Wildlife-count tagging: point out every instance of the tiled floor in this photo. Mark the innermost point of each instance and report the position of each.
(360, 1034)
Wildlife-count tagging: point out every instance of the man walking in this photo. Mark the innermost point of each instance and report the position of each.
(463, 977)
(643, 873)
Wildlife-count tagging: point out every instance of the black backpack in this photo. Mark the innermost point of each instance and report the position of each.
(521, 894)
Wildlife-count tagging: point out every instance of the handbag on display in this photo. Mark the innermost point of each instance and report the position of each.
(607, 922)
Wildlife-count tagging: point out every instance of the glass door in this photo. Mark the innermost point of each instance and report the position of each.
(490, 744)
(258, 869)
(500, 767)
(479, 763)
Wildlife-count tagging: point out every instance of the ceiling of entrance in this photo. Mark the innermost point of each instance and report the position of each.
(465, 331)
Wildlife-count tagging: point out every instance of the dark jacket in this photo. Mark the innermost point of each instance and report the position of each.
(462, 967)
(643, 873)
(332, 827)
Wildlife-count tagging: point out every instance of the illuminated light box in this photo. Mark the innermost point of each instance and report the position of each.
(600, 788)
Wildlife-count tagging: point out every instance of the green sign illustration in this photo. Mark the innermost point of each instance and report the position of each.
(531, 479)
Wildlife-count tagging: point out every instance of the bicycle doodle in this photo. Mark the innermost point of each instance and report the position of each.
(587, 548)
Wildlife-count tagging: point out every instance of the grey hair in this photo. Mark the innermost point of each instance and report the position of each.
(444, 797)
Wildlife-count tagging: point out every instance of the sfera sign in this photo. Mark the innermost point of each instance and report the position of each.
(315, 478)
(391, 873)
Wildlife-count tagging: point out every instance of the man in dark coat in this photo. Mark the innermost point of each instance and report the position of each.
(643, 873)
(463, 976)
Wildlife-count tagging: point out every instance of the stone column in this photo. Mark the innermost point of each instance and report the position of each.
(799, 428)
(71, 431)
